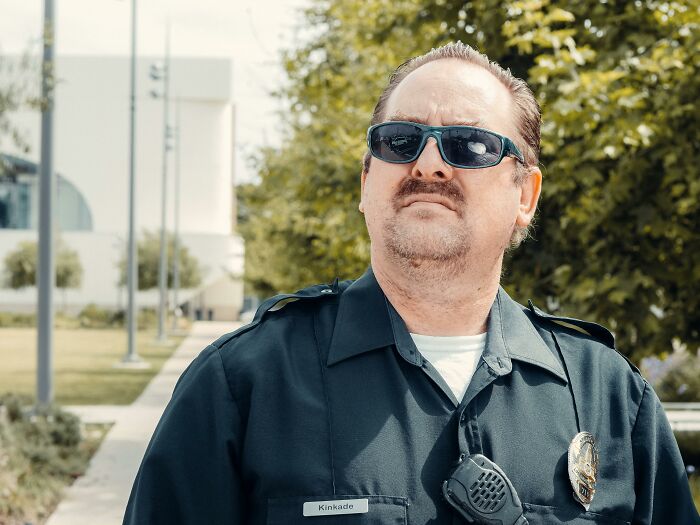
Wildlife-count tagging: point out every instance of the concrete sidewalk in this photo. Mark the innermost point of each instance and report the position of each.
(100, 496)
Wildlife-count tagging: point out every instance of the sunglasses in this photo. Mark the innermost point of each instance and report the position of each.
(460, 146)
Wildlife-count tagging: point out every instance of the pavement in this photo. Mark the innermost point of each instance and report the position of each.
(100, 496)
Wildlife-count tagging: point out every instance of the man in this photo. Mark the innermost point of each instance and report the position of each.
(374, 401)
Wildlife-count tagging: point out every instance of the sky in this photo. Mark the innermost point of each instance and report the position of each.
(250, 33)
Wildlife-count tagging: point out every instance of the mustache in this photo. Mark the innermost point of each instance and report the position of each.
(411, 186)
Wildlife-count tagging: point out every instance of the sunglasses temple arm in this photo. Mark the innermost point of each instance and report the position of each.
(512, 150)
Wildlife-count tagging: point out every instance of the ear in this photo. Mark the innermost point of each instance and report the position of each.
(363, 177)
(529, 195)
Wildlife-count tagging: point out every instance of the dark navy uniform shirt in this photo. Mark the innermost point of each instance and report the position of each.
(325, 397)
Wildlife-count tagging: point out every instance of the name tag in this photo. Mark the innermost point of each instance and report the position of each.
(337, 506)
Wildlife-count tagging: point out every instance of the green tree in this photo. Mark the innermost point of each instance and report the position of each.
(619, 217)
(21, 266)
(148, 254)
(617, 235)
(19, 81)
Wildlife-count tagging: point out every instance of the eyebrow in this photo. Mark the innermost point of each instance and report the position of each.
(455, 122)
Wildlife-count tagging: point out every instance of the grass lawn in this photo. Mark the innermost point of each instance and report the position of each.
(83, 364)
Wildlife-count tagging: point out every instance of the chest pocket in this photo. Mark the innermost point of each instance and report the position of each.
(382, 510)
(544, 515)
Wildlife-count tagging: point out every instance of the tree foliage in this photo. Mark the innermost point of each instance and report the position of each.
(617, 237)
(148, 255)
(21, 266)
(19, 78)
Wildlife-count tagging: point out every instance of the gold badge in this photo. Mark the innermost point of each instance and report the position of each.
(583, 467)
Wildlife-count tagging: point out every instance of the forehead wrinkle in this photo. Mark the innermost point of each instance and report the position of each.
(449, 121)
(443, 89)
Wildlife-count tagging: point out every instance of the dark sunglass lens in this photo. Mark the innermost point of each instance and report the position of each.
(471, 148)
(395, 142)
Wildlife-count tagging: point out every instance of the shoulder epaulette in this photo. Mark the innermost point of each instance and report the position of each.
(594, 330)
(278, 302)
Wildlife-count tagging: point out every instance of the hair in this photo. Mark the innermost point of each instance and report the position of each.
(527, 110)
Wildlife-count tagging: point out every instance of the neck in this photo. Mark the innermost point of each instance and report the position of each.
(442, 300)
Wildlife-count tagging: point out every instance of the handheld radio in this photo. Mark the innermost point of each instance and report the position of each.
(481, 492)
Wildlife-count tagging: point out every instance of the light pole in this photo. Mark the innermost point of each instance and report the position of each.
(132, 276)
(46, 271)
(176, 242)
(163, 74)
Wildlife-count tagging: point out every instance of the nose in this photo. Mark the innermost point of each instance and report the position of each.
(430, 166)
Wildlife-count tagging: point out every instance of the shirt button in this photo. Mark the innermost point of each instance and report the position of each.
(463, 419)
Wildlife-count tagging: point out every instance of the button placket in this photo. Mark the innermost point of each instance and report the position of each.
(475, 441)
(462, 432)
(468, 436)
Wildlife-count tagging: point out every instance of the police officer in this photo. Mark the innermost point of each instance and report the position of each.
(421, 392)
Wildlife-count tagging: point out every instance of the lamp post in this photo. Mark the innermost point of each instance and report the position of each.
(176, 204)
(46, 270)
(163, 74)
(132, 276)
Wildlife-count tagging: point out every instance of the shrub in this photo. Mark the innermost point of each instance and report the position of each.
(92, 316)
(148, 257)
(40, 452)
(16, 320)
(147, 318)
(675, 378)
(21, 266)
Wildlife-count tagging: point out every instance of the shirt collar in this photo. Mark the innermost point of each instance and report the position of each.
(362, 322)
(366, 321)
(511, 335)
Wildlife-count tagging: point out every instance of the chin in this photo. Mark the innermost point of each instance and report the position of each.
(432, 243)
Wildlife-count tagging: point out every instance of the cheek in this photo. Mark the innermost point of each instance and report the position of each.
(495, 206)
(371, 204)
(377, 194)
(375, 212)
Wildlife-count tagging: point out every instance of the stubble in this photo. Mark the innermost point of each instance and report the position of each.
(423, 243)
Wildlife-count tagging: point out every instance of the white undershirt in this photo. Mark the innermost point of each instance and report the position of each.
(454, 357)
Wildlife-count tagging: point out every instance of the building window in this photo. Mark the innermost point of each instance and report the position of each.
(19, 198)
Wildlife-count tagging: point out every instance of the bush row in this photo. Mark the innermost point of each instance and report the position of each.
(40, 452)
(91, 316)
(675, 376)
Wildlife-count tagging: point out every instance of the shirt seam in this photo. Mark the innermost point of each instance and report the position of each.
(639, 409)
(228, 382)
(238, 440)
(326, 398)
(570, 385)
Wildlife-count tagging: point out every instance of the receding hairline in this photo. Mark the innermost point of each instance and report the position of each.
(392, 115)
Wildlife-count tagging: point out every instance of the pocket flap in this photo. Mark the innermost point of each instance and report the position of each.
(544, 515)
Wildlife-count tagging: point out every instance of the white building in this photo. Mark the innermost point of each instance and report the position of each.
(91, 159)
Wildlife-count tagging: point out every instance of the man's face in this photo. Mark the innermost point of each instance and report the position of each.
(429, 211)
